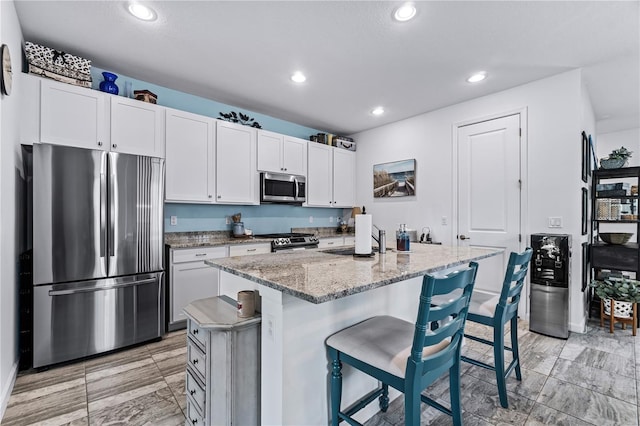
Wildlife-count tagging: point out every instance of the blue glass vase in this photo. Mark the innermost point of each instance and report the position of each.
(109, 85)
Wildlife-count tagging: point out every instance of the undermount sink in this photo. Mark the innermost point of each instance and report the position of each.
(344, 251)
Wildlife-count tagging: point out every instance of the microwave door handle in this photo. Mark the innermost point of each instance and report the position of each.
(295, 181)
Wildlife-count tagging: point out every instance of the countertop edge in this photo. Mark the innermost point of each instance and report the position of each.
(351, 291)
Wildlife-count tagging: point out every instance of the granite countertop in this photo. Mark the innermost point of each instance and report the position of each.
(319, 276)
(218, 313)
(223, 238)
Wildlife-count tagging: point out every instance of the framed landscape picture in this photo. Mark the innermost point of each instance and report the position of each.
(586, 157)
(396, 179)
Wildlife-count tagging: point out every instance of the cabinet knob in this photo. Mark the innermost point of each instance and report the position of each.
(210, 196)
(219, 196)
(99, 143)
(115, 145)
(285, 169)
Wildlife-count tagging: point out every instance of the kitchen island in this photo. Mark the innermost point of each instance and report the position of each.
(305, 296)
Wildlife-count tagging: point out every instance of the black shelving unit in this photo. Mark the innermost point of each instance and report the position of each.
(618, 259)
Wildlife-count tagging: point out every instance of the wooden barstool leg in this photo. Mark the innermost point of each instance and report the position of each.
(611, 317)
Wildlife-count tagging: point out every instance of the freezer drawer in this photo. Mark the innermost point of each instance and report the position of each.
(75, 320)
(549, 313)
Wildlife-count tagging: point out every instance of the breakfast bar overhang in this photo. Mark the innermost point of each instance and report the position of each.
(306, 296)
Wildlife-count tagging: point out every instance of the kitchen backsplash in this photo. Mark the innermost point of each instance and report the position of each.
(262, 219)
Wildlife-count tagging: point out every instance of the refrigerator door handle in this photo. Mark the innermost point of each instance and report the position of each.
(113, 205)
(99, 288)
(103, 214)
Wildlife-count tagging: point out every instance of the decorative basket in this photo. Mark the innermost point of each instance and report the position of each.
(612, 163)
(615, 237)
(620, 309)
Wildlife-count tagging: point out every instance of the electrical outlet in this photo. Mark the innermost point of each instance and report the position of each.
(174, 220)
(330, 219)
(310, 219)
(444, 220)
(555, 222)
(227, 220)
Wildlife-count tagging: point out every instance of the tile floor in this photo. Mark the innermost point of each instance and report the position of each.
(589, 379)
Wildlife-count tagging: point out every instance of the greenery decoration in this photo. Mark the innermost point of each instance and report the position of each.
(240, 118)
(622, 153)
(619, 289)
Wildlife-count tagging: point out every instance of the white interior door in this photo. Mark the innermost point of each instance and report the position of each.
(489, 198)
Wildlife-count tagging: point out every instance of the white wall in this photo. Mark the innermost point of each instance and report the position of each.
(11, 35)
(555, 119)
(630, 139)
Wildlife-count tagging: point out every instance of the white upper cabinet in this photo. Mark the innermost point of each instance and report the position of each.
(137, 127)
(319, 176)
(281, 154)
(344, 178)
(330, 176)
(85, 118)
(72, 116)
(236, 173)
(190, 163)
(294, 155)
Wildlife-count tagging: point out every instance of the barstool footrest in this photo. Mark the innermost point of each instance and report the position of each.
(435, 405)
(359, 405)
(485, 341)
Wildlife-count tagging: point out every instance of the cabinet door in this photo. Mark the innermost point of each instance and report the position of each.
(137, 127)
(72, 116)
(270, 152)
(236, 173)
(344, 178)
(294, 156)
(191, 281)
(319, 176)
(190, 157)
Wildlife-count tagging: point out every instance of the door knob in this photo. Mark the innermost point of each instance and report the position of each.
(464, 237)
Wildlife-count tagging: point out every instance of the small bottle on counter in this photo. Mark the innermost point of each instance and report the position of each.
(402, 240)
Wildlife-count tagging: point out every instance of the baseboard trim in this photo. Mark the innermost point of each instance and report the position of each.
(6, 391)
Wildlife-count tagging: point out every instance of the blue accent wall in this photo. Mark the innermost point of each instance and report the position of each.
(262, 219)
(198, 105)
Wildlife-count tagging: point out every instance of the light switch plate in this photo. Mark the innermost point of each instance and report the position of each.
(555, 222)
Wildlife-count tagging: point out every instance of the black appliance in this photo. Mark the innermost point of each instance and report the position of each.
(282, 188)
(549, 274)
(291, 241)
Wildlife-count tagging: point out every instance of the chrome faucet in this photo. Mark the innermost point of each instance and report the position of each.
(381, 240)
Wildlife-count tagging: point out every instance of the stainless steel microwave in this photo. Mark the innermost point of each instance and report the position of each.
(282, 188)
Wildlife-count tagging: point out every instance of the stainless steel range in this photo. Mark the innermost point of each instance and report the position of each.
(291, 241)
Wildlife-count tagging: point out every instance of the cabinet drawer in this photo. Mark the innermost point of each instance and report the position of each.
(193, 417)
(196, 254)
(248, 249)
(198, 335)
(195, 392)
(330, 242)
(349, 241)
(196, 360)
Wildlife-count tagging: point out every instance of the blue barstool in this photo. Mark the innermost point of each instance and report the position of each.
(407, 356)
(496, 311)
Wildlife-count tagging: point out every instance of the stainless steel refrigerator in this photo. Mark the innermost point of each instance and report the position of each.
(97, 230)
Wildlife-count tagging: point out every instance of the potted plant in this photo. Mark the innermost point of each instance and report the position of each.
(618, 158)
(624, 291)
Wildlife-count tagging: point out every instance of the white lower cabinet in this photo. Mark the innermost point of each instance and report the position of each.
(190, 279)
(336, 241)
(223, 365)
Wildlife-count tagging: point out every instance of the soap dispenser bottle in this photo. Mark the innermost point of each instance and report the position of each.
(402, 241)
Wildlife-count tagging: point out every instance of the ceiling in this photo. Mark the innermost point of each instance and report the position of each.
(355, 56)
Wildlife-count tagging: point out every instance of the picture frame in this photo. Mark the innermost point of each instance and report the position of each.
(394, 179)
(585, 211)
(586, 157)
(595, 165)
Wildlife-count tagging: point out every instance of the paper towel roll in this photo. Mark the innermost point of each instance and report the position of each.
(363, 234)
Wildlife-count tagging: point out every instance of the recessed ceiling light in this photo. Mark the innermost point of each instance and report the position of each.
(141, 11)
(377, 111)
(405, 12)
(479, 76)
(298, 77)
